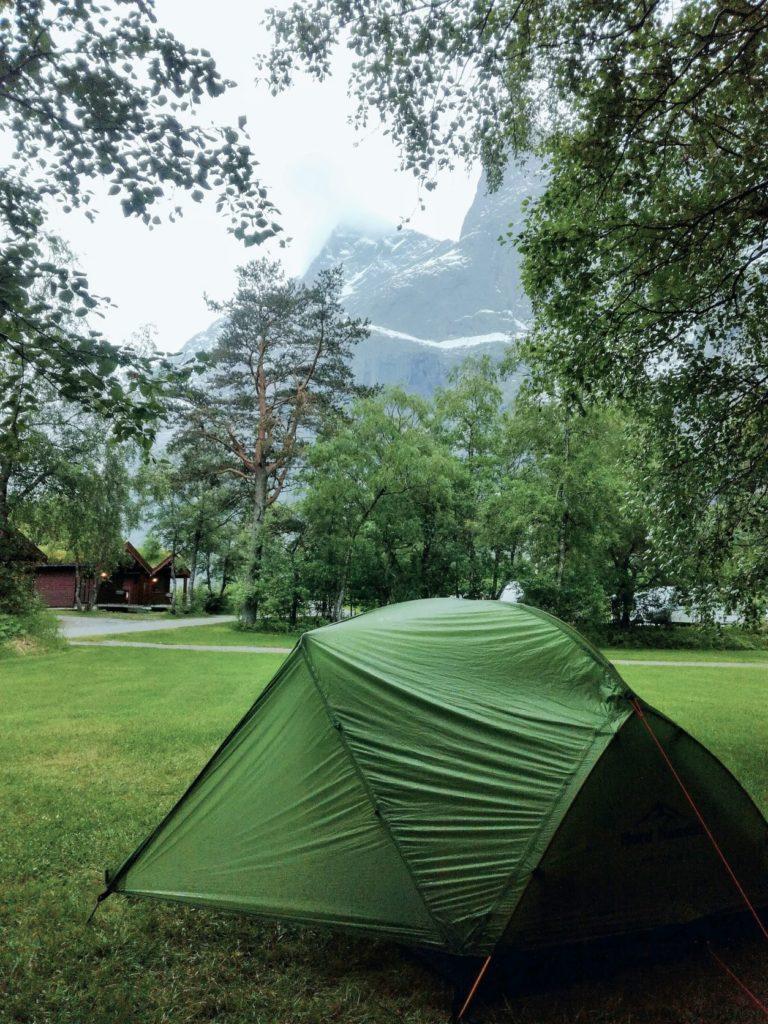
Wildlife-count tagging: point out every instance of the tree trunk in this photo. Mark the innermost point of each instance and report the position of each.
(224, 576)
(626, 596)
(510, 572)
(338, 604)
(5, 480)
(173, 575)
(93, 590)
(565, 518)
(193, 564)
(426, 556)
(495, 577)
(78, 588)
(8, 553)
(250, 610)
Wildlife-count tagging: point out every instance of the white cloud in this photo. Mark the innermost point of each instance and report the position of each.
(319, 172)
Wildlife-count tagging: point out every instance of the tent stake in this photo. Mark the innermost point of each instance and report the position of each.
(475, 986)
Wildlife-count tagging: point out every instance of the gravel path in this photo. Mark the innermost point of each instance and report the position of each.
(233, 648)
(73, 626)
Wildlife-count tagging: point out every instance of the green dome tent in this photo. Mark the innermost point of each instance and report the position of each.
(461, 776)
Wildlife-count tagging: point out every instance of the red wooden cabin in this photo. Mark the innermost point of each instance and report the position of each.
(135, 583)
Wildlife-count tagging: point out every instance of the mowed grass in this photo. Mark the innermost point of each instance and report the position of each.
(220, 634)
(659, 654)
(725, 708)
(96, 744)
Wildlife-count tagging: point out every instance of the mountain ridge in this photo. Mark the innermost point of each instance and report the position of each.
(430, 302)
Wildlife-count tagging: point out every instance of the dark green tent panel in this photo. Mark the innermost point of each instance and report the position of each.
(453, 774)
(631, 856)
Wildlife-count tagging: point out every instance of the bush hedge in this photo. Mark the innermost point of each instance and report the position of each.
(31, 631)
(681, 637)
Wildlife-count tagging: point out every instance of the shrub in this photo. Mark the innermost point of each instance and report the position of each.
(683, 637)
(32, 631)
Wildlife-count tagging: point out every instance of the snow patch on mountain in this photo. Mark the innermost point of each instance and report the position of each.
(470, 341)
(430, 301)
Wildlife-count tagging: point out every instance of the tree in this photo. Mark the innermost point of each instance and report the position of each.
(645, 256)
(574, 507)
(87, 509)
(469, 412)
(195, 513)
(93, 93)
(279, 369)
(366, 481)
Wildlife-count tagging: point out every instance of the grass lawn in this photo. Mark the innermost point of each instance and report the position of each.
(659, 654)
(94, 747)
(727, 709)
(222, 634)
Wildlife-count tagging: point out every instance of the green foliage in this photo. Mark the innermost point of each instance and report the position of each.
(94, 94)
(16, 578)
(10, 628)
(400, 498)
(579, 503)
(279, 370)
(403, 498)
(645, 255)
(30, 631)
(87, 508)
(375, 489)
(153, 550)
(62, 476)
(194, 511)
(694, 637)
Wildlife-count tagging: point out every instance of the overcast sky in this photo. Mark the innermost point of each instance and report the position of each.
(319, 172)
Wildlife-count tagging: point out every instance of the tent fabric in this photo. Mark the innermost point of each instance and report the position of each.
(427, 772)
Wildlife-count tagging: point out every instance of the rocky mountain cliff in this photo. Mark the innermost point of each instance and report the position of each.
(430, 302)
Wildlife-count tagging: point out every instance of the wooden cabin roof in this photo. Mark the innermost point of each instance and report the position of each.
(23, 549)
(180, 571)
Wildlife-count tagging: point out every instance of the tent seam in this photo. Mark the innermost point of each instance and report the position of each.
(369, 791)
(588, 648)
(305, 921)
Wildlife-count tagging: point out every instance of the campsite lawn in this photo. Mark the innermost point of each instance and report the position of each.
(96, 743)
(223, 634)
(727, 709)
(660, 654)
